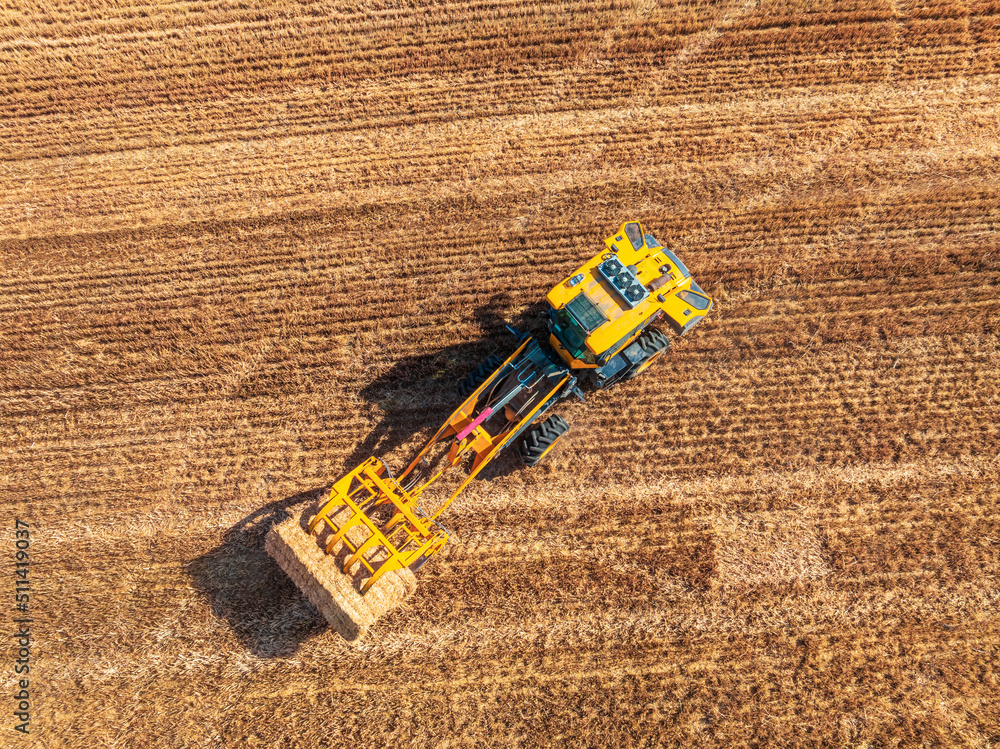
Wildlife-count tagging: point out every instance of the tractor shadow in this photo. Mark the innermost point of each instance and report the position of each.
(419, 392)
(250, 592)
(246, 588)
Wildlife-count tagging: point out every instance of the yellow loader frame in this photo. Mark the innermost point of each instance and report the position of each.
(411, 536)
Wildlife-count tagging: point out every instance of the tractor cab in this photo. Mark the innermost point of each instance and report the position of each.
(599, 312)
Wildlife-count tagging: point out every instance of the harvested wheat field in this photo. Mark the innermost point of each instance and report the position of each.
(246, 246)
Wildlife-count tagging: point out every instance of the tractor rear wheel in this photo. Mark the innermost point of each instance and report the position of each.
(653, 343)
(478, 376)
(541, 439)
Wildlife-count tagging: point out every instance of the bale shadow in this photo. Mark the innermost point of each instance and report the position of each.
(247, 589)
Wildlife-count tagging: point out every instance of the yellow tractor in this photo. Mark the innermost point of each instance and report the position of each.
(355, 552)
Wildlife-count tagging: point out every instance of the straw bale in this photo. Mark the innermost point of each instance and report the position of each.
(336, 594)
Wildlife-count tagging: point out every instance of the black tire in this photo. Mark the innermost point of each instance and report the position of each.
(653, 343)
(478, 376)
(541, 437)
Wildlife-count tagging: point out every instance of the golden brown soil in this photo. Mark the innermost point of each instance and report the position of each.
(245, 246)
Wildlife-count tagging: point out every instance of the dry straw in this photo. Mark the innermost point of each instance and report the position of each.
(246, 248)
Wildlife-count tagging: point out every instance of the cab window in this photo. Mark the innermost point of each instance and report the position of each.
(697, 301)
(571, 335)
(634, 234)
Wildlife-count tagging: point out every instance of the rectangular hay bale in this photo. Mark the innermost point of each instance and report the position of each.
(335, 594)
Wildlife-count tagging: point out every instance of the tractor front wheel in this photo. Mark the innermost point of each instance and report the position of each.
(478, 376)
(541, 439)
